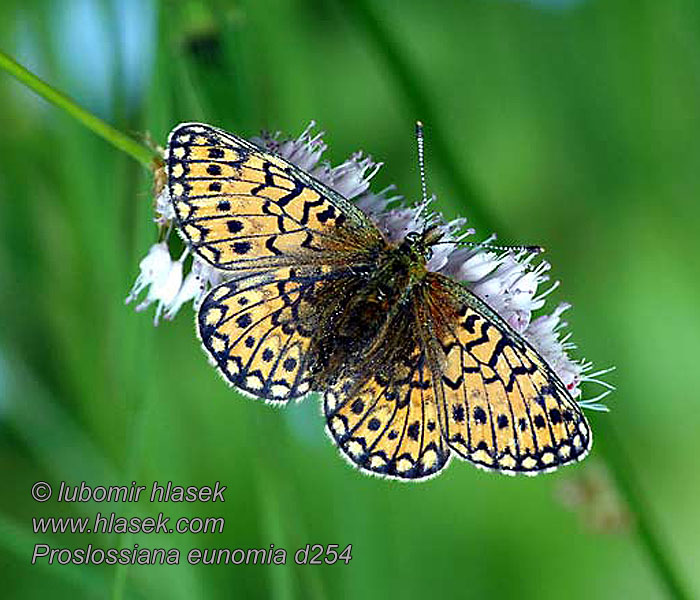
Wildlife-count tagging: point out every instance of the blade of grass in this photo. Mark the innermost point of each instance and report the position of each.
(646, 529)
(140, 152)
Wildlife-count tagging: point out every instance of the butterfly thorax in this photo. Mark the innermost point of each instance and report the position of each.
(414, 252)
(367, 310)
(398, 270)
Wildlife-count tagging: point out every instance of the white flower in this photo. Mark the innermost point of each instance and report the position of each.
(470, 264)
(375, 203)
(351, 178)
(544, 333)
(153, 267)
(190, 289)
(163, 278)
(201, 278)
(303, 152)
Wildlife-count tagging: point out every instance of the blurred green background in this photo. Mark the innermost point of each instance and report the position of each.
(574, 125)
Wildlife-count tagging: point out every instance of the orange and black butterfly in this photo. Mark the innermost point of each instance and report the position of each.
(413, 367)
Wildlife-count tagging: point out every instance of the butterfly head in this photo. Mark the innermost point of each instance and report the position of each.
(417, 246)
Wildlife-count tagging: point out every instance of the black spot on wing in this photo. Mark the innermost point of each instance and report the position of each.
(242, 247)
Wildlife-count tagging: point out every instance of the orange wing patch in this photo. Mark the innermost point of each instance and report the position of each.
(505, 408)
(240, 207)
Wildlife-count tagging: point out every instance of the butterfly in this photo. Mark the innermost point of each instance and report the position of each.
(413, 368)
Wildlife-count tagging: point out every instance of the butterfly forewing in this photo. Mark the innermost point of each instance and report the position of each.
(240, 207)
(505, 408)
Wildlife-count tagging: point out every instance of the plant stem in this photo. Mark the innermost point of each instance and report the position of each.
(140, 152)
(629, 488)
(421, 104)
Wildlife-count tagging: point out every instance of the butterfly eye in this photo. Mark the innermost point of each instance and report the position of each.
(412, 236)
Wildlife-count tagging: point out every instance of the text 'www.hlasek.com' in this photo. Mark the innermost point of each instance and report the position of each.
(114, 525)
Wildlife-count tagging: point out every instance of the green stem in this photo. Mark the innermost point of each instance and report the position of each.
(421, 104)
(629, 488)
(140, 152)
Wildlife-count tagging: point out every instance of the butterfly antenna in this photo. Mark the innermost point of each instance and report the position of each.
(421, 170)
(528, 249)
(487, 246)
(421, 161)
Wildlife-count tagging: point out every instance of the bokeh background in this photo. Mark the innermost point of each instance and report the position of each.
(574, 125)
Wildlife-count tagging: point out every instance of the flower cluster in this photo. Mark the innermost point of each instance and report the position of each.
(506, 279)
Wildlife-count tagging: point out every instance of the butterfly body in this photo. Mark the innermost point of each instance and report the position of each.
(413, 367)
(357, 329)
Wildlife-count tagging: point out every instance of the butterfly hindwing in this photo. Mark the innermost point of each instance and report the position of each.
(240, 207)
(505, 409)
(383, 415)
(261, 328)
